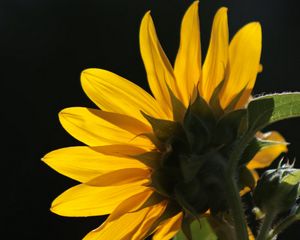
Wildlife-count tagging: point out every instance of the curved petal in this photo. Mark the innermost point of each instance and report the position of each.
(92, 128)
(213, 71)
(243, 63)
(266, 156)
(114, 229)
(120, 177)
(83, 200)
(158, 68)
(187, 66)
(113, 93)
(167, 229)
(86, 163)
(153, 215)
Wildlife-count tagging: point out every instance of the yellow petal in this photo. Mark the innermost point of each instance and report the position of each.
(89, 126)
(187, 66)
(153, 215)
(125, 226)
(85, 163)
(120, 177)
(247, 189)
(83, 200)
(113, 93)
(158, 68)
(217, 55)
(167, 229)
(266, 156)
(244, 58)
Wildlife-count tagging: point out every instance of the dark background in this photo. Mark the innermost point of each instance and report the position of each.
(45, 44)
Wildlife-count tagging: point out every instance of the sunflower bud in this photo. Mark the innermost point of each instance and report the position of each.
(278, 189)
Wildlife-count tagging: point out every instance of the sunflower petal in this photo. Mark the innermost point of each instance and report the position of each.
(158, 68)
(267, 155)
(83, 200)
(187, 66)
(217, 55)
(113, 227)
(113, 93)
(155, 212)
(86, 163)
(167, 229)
(92, 128)
(243, 63)
(120, 177)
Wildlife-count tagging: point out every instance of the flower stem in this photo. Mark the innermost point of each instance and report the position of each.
(282, 226)
(237, 211)
(233, 194)
(266, 225)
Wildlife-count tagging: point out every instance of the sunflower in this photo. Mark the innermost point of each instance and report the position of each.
(152, 160)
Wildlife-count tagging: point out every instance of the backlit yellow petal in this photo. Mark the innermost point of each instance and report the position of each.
(266, 156)
(187, 66)
(88, 126)
(213, 71)
(168, 228)
(125, 226)
(120, 177)
(86, 163)
(113, 93)
(83, 200)
(244, 59)
(158, 68)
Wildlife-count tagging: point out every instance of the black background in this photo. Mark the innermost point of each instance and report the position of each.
(45, 44)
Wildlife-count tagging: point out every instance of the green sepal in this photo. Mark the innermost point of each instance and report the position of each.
(197, 132)
(178, 107)
(246, 178)
(293, 179)
(202, 110)
(150, 159)
(215, 100)
(234, 101)
(154, 199)
(163, 129)
(230, 127)
(268, 109)
(254, 147)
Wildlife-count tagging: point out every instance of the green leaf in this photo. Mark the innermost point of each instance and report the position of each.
(268, 109)
(199, 230)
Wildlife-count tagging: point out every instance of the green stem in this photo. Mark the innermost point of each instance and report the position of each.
(266, 225)
(235, 204)
(233, 193)
(282, 226)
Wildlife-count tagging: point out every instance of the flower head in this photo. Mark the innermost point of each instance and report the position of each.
(152, 160)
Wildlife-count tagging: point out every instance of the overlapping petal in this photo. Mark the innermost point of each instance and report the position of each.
(84, 163)
(94, 128)
(167, 229)
(159, 70)
(113, 93)
(243, 62)
(84, 200)
(213, 72)
(114, 226)
(267, 155)
(187, 66)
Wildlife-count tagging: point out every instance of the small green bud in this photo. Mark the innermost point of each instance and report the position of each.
(278, 189)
